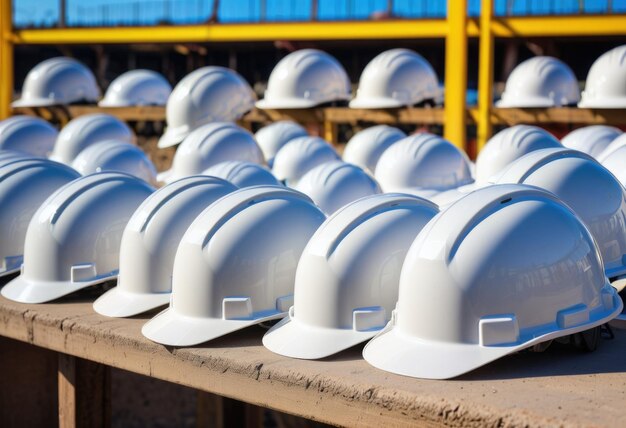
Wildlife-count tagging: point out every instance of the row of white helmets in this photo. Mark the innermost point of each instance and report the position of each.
(520, 258)
(309, 78)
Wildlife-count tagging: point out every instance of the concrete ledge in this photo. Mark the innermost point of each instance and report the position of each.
(558, 387)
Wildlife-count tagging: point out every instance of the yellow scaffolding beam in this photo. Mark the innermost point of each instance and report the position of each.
(456, 73)
(6, 59)
(485, 74)
(560, 26)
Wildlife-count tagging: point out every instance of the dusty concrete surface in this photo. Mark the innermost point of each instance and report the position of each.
(559, 387)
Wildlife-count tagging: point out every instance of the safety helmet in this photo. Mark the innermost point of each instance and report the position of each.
(305, 79)
(149, 244)
(396, 78)
(617, 142)
(86, 130)
(209, 94)
(333, 185)
(606, 81)
(137, 88)
(541, 81)
(591, 139)
(503, 269)
(73, 239)
(273, 137)
(347, 278)
(24, 185)
(235, 265)
(508, 145)
(615, 162)
(365, 147)
(27, 134)
(591, 191)
(299, 156)
(58, 81)
(209, 145)
(422, 164)
(243, 174)
(115, 155)
(7, 156)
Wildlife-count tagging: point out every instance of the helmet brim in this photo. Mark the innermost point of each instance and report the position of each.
(292, 103)
(24, 290)
(296, 340)
(374, 103)
(35, 102)
(166, 176)
(172, 329)
(172, 137)
(526, 102)
(398, 353)
(118, 303)
(603, 103)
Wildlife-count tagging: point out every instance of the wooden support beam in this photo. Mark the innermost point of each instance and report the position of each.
(84, 393)
(214, 411)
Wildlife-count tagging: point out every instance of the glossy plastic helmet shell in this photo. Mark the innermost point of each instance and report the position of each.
(73, 240)
(347, 278)
(235, 265)
(503, 269)
(150, 241)
(209, 145)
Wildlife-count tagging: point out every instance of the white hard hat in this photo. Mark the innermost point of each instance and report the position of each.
(115, 155)
(73, 239)
(591, 139)
(333, 185)
(243, 174)
(422, 164)
(347, 278)
(588, 189)
(396, 78)
(137, 88)
(209, 94)
(58, 81)
(508, 145)
(541, 81)
(299, 156)
(235, 265)
(616, 163)
(446, 198)
(505, 268)
(149, 244)
(24, 185)
(365, 147)
(209, 145)
(86, 130)
(273, 137)
(618, 142)
(7, 156)
(27, 134)
(606, 81)
(305, 79)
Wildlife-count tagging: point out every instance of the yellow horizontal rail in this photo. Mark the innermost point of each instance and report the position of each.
(396, 29)
(551, 26)
(538, 26)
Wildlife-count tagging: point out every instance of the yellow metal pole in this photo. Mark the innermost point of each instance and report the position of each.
(6, 58)
(456, 73)
(485, 74)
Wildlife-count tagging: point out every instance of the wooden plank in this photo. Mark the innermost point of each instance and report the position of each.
(344, 389)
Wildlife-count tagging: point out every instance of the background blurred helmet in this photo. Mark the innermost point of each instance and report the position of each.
(366, 146)
(273, 137)
(396, 78)
(243, 174)
(304, 79)
(591, 139)
(299, 156)
(58, 81)
(27, 134)
(208, 94)
(137, 88)
(606, 81)
(541, 81)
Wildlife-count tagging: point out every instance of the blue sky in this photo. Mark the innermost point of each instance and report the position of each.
(102, 12)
